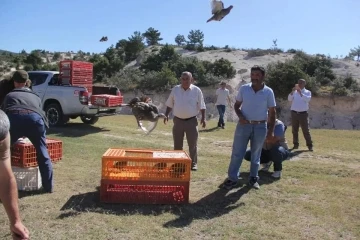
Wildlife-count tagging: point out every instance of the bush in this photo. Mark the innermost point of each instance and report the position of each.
(28, 67)
(343, 86)
(261, 52)
(316, 70)
(339, 89)
(222, 68)
(282, 77)
(158, 81)
(126, 79)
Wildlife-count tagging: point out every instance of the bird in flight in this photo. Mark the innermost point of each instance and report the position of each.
(104, 39)
(144, 110)
(218, 10)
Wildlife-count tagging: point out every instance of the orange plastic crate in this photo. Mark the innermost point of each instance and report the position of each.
(142, 192)
(146, 165)
(24, 154)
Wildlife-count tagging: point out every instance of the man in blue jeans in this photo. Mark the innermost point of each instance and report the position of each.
(253, 103)
(24, 109)
(222, 97)
(275, 151)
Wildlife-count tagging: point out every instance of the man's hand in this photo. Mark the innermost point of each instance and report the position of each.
(166, 119)
(243, 121)
(270, 138)
(203, 122)
(19, 231)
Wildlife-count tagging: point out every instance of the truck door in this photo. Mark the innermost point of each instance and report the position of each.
(39, 83)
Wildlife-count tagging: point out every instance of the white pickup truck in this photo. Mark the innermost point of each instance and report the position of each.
(62, 102)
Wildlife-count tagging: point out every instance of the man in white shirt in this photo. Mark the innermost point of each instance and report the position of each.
(300, 98)
(186, 100)
(222, 95)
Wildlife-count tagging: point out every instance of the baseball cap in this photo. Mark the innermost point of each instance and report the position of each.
(20, 76)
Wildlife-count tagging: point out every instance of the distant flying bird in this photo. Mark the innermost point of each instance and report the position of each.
(104, 39)
(218, 10)
(144, 110)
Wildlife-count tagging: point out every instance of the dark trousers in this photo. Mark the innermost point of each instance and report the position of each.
(31, 125)
(221, 110)
(301, 120)
(190, 128)
(276, 154)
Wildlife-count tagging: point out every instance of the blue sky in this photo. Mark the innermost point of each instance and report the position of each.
(318, 26)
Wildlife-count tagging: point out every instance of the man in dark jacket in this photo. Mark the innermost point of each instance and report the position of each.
(24, 109)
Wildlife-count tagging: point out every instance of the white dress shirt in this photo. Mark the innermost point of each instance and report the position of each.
(186, 104)
(222, 96)
(300, 103)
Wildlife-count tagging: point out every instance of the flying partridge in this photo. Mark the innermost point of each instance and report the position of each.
(218, 10)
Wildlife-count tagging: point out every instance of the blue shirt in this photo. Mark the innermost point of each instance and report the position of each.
(255, 105)
(279, 129)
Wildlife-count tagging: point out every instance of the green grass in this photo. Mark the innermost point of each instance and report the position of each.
(318, 196)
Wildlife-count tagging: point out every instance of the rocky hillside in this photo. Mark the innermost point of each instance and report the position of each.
(242, 60)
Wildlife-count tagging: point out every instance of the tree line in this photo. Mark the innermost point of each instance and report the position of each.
(158, 67)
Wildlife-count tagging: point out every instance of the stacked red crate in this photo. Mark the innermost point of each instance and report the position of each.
(77, 73)
(24, 154)
(25, 166)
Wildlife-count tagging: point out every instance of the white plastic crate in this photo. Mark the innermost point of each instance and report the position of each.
(27, 179)
(169, 155)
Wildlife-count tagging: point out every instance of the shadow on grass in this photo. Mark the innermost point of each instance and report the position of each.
(293, 153)
(215, 204)
(23, 194)
(210, 129)
(75, 130)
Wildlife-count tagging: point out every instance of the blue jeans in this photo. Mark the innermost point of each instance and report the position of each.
(256, 133)
(221, 110)
(277, 154)
(31, 125)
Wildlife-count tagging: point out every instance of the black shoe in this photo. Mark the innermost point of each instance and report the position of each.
(253, 183)
(194, 167)
(228, 184)
(310, 148)
(296, 146)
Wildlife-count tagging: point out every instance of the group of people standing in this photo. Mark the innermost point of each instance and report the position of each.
(255, 105)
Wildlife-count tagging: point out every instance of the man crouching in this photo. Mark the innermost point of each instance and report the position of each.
(274, 151)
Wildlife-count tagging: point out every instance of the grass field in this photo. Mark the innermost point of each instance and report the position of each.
(318, 196)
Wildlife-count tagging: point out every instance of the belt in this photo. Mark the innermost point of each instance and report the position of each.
(256, 122)
(22, 111)
(185, 119)
(299, 112)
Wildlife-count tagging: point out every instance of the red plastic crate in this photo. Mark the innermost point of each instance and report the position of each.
(72, 64)
(106, 100)
(76, 73)
(144, 192)
(24, 154)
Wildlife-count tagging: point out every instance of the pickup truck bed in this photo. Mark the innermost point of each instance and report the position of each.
(64, 102)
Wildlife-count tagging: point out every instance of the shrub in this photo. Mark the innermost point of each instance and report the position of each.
(281, 77)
